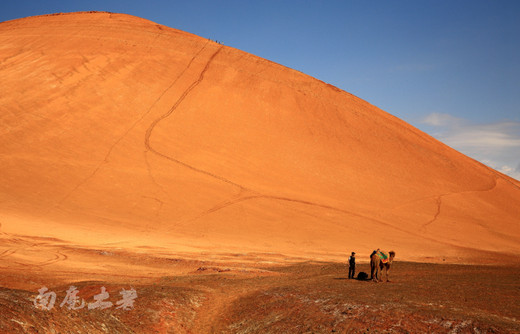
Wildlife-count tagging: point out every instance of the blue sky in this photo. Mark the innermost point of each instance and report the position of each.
(449, 67)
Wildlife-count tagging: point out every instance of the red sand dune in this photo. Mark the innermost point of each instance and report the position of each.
(116, 131)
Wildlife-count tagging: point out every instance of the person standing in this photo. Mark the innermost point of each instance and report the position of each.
(352, 265)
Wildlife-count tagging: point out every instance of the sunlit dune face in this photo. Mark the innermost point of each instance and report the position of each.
(120, 133)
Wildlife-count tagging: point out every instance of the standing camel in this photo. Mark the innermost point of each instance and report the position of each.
(377, 264)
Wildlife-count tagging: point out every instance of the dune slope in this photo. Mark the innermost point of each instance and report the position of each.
(117, 130)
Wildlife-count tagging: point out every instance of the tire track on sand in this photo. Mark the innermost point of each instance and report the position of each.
(438, 200)
(132, 126)
(8, 252)
(255, 195)
(154, 124)
(58, 257)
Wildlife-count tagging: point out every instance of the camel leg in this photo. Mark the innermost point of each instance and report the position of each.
(376, 275)
(375, 272)
(381, 269)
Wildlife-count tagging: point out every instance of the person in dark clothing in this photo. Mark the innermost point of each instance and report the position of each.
(351, 265)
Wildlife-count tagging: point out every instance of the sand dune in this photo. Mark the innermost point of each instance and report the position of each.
(116, 131)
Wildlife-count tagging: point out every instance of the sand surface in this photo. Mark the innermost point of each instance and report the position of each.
(122, 136)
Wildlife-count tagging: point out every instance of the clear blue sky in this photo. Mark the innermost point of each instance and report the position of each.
(448, 67)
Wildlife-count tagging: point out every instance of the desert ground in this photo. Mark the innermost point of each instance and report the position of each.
(226, 192)
(252, 293)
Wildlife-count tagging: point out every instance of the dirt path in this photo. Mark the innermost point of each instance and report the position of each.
(215, 306)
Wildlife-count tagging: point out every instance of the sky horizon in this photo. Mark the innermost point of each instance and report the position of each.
(449, 68)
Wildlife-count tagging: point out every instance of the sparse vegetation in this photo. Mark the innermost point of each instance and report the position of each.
(302, 298)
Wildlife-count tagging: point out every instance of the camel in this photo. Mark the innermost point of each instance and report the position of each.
(377, 265)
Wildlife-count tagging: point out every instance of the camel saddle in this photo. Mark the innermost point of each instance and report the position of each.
(383, 257)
